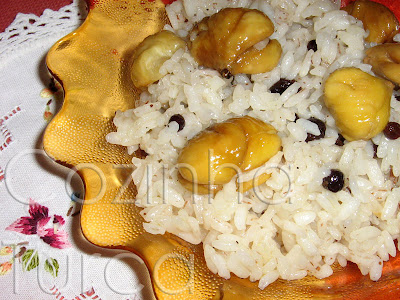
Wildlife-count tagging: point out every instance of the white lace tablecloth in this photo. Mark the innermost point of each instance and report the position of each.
(43, 254)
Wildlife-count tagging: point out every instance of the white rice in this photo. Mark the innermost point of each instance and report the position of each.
(299, 228)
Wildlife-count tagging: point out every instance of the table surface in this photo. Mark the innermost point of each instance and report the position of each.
(10, 8)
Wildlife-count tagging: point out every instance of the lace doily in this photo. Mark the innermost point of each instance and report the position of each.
(27, 29)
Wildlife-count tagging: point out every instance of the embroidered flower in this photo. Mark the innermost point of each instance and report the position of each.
(53, 91)
(36, 222)
(58, 220)
(48, 115)
(5, 267)
(56, 238)
(6, 250)
(29, 225)
(90, 292)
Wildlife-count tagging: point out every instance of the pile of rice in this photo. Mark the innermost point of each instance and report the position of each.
(292, 226)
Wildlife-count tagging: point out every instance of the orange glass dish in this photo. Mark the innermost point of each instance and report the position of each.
(92, 63)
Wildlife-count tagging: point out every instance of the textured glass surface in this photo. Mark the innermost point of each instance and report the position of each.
(92, 64)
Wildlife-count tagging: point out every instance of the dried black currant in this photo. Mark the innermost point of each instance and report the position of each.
(392, 130)
(322, 128)
(281, 85)
(178, 119)
(334, 182)
(226, 74)
(312, 45)
(340, 140)
(375, 146)
(140, 153)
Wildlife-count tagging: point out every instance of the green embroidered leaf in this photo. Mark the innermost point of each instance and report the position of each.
(30, 260)
(51, 265)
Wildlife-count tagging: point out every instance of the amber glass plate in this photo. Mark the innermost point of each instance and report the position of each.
(92, 63)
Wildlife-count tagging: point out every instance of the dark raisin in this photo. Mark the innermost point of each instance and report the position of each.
(375, 146)
(312, 45)
(226, 74)
(392, 130)
(334, 182)
(281, 85)
(178, 119)
(397, 97)
(140, 153)
(322, 128)
(340, 140)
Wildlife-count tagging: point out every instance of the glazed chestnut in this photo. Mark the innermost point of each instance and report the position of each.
(385, 61)
(359, 102)
(377, 19)
(219, 152)
(150, 56)
(236, 40)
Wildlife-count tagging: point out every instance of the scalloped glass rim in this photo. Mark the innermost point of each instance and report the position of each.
(92, 63)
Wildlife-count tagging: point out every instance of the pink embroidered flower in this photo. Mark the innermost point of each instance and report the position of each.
(36, 222)
(57, 239)
(29, 225)
(90, 292)
(58, 220)
(5, 267)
